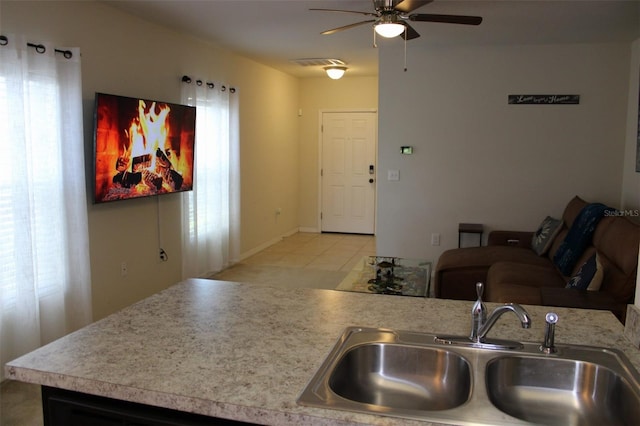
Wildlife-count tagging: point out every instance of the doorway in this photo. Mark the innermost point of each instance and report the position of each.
(348, 172)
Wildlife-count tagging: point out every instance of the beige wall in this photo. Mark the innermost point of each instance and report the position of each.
(631, 178)
(268, 155)
(478, 159)
(631, 187)
(125, 55)
(316, 95)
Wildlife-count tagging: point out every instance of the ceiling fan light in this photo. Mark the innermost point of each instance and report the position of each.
(389, 29)
(335, 73)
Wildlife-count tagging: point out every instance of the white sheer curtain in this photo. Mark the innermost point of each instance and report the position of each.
(45, 289)
(210, 213)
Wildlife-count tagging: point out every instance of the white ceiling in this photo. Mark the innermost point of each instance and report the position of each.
(275, 31)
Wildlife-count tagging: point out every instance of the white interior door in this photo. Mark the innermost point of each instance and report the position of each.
(348, 172)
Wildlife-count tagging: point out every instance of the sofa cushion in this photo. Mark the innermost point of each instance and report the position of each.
(488, 255)
(458, 270)
(515, 293)
(572, 210)
(617, 240)
(589, 276)
(570, 213)
(524, 274)
(512, 282)
(544, 236)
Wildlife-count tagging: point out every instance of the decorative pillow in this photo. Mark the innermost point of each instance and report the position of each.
(544, 236)
(578, 238)
(589, 276)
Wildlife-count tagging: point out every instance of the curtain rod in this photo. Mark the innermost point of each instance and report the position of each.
(40, 48)
(187, 79)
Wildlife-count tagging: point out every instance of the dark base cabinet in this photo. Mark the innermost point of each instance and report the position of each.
(67, 408)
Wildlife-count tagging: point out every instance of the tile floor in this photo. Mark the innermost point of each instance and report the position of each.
(332, 252)
(20, 402)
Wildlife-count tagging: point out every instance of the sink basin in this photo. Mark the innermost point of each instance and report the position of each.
(394, 373)
(421, 376)
(561, 391)
(402, 377)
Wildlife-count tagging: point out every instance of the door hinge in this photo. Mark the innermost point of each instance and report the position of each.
(322, 128)
(320, 215)
(321, 172)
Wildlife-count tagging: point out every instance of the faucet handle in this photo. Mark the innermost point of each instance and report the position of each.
(478, 306)
(479, 290)
(478, 313)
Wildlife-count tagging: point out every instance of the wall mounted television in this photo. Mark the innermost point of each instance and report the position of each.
(142, 147)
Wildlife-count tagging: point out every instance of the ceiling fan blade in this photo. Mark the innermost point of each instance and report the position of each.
(410, 33)
(346, 11)
(406, 6)
(346, 27)
(447, 19)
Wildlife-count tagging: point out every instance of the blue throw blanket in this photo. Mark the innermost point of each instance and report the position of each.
(578, 237)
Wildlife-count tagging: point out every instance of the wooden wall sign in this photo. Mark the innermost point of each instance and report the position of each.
(544, 99)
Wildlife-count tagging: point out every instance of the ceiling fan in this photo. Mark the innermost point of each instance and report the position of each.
(391, 16)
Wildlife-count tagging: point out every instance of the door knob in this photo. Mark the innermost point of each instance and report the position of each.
(370, 180)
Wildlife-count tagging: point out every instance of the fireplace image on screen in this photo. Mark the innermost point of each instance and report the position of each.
(142, 147)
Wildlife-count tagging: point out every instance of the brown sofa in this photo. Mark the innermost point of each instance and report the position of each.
(513, 272)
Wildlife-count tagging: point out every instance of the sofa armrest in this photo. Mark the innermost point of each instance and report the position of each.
(572, 298)
(510, 238)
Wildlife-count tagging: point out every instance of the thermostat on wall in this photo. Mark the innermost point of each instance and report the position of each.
(408, 150)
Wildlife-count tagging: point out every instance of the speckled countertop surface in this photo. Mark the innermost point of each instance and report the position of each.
(246, 352)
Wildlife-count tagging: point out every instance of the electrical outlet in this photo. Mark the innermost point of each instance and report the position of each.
(435, 239)
(124, 270)
(163, 255)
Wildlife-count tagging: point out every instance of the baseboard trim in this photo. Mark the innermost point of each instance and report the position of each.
(310, 230)
(268, 244)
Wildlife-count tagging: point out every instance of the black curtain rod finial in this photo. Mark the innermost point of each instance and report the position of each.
(66, 53)
(40, 48)
(210, 85)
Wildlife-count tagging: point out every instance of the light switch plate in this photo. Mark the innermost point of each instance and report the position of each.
(393, 174)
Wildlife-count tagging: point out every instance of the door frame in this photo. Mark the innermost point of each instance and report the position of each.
(319, 177)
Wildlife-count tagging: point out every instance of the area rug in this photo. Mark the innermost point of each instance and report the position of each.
(279, 276)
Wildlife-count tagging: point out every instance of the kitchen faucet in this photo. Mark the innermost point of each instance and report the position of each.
(481, 323)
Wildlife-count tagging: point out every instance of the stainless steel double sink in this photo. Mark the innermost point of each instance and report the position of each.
(417, 376)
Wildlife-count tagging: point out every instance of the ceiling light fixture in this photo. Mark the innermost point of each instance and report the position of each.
(334, 72)
(389, 27)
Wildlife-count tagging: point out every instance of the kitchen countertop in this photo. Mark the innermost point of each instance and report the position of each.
(246, 352)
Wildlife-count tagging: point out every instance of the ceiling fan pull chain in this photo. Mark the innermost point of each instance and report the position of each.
(405, 49)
